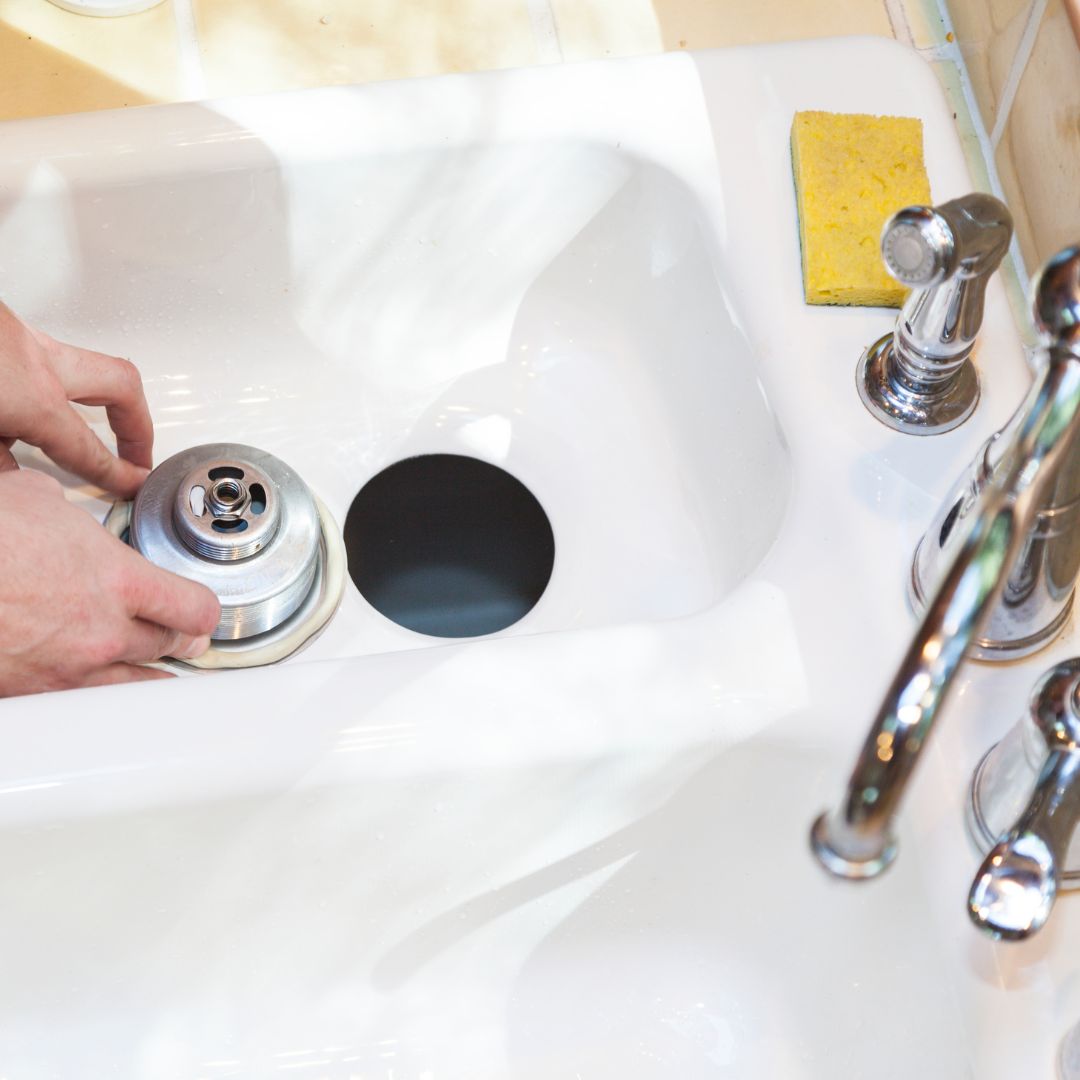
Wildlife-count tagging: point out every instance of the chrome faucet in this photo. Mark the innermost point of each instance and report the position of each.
(1023, 812)
(995, 558)
(919, 379)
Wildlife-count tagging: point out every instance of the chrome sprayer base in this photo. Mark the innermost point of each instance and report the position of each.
(910, 409)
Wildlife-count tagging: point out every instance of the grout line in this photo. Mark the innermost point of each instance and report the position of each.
(940, 52)
(192, 76)
(1017, 68)
(545, 32)
(951, 53)
(901, 28)
(990, 161)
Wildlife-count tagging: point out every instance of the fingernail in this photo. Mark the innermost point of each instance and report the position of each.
(197, 647)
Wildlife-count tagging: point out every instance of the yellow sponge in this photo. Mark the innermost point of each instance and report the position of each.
(853, 172)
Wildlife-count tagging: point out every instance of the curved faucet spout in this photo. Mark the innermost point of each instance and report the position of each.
(857, 839)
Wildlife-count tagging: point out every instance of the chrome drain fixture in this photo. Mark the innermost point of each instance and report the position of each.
(241, 522)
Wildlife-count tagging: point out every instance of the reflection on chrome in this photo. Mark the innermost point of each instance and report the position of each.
(998, 565)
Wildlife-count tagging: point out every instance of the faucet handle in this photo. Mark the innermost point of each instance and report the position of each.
(919, 379)
(1056, 297)
(1014, 890)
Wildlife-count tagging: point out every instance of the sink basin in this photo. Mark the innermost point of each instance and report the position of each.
(539, 304)
(575, 847)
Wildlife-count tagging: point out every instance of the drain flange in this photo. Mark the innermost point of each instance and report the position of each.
(238, 520)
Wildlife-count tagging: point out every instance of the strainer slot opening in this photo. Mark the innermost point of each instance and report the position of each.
(228, 525)
(226, 472)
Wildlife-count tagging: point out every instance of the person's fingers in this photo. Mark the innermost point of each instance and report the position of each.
(93, 378)
(168, 600)
(147, 641)
(73, 446)
(123, 673)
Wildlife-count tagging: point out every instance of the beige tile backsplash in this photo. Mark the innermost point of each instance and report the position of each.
(1042, 139)
(54, 62)
(988, 33)
(1023, 59)
(595, 28)
(328, 42)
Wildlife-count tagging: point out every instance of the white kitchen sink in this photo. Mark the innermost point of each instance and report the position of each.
(576, 848)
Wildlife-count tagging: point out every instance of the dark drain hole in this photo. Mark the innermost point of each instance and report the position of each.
(448, 545)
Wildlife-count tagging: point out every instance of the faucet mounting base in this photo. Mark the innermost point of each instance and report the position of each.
(991, 650)
(914, 410)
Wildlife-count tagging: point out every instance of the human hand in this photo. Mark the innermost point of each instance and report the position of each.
(79, 607)
(40, 377)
